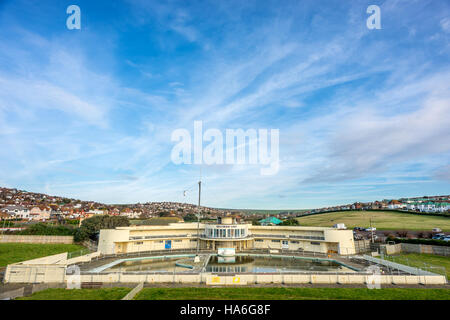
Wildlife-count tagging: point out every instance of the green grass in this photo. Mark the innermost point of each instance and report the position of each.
(422, 261)
(17, 252)
(269, 212)
(292, 294)
(81, 294)
(383, 220)
(244, 294)
(159, 221)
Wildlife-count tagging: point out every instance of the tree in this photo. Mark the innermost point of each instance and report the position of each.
(289, 222)
(92, 226)
(255, 222)
(190, 217)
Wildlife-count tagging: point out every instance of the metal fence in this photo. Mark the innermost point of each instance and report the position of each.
(78, 253)
(417, 265)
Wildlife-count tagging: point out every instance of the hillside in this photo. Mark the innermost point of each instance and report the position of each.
(382, 220)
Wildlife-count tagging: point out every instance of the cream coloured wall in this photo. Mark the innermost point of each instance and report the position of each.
(108, 239)
(148, 238)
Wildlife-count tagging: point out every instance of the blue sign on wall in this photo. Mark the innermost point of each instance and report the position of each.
(168, 244)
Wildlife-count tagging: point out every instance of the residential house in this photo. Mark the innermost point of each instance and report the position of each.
(18, 212)
(40, 213)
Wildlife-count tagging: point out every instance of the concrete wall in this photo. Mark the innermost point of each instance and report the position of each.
(36, 239)
(247, 279)
(424, 248)
(10, 295)
(390, 249)
(35, 274)
(243, 279)
(85, 258)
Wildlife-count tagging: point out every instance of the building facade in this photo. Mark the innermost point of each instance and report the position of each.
(225, 233)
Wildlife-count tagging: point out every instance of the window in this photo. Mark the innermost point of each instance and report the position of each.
(259, 240)
(275, 240)
(140, 242)
(193, 240)
(294, 241)
(160, 241)
(178, 240)
(315, 243)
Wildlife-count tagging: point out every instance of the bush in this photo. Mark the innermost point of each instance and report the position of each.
(290, 222)
(402, 233)
(90, 227)
(42, 229)
(190, 217)
(420, 241)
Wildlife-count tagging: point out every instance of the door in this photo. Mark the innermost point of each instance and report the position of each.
(168, 244)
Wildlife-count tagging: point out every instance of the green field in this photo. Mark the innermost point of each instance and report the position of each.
(292, 294)
(16, 252)
(82, 294)
(269, 212)
(244, 294)
(382, 220)
(422, 261)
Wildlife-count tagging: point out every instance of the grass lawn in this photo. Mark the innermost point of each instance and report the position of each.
(292, 294)
(269, 212)
(383, 220)
(16, 252)
(420, 260)
(81, 294)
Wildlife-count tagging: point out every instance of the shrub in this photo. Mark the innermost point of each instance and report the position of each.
(420, 241)
(90, 227)
(43, 229)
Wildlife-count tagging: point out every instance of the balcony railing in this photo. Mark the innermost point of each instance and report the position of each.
(283, 236)
(160, 236)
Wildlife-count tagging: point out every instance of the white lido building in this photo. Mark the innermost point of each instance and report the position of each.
(227, 232)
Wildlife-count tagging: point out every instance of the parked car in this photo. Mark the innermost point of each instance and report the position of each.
(371, 229)
(446, 238)
(436, 230)
(358, 229)
(438, 236)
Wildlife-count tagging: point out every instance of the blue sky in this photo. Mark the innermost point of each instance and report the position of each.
(363, 114)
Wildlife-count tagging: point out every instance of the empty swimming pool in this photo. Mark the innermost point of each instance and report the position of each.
(269, 264)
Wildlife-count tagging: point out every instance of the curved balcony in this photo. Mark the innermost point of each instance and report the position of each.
(246, 237)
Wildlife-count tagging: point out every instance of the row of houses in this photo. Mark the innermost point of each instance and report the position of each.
(439, 204)
(44, 213)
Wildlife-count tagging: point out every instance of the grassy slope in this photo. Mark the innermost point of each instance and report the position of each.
(383, 220)
(291, 294)
(421, 260)
(82, 294)
(270, 212)
(16, 252)
(155, 221)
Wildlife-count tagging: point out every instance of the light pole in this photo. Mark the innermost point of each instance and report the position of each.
(371, 229)
(197, 259)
